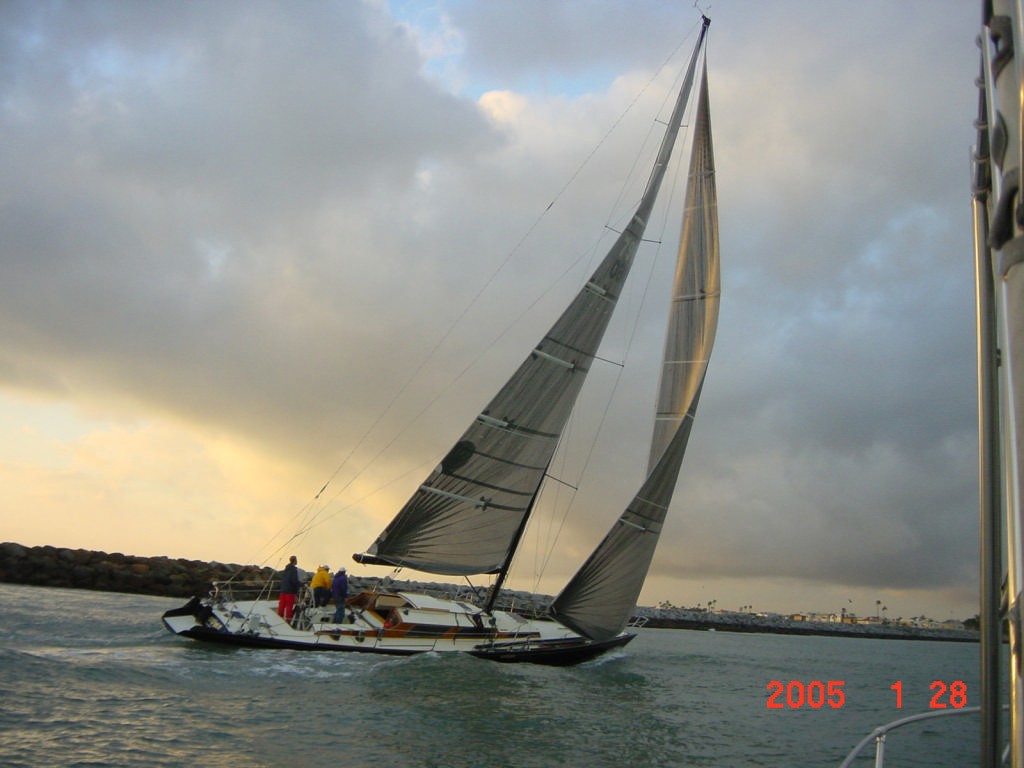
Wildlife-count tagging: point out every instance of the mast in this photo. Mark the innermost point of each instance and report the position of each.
(499, 581)
(989, 528)
(999, 259)
(467, 517)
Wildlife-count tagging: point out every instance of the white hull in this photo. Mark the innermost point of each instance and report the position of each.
(396, 623)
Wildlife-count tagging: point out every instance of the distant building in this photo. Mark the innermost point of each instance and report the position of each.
(826, 618)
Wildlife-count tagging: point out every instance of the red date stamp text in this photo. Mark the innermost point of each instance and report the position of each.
(818, 694)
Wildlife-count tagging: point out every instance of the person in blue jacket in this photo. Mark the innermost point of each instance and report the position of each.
(339, 591)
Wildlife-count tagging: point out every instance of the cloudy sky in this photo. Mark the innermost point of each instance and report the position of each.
(252, 248)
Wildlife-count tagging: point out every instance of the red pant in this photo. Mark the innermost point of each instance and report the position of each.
(285, 606)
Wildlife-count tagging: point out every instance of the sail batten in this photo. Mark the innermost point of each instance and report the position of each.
(468, 515)
(599, 600)
(556, 360)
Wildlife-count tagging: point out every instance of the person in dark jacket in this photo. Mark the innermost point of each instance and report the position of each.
(289, 588)
(339, 591)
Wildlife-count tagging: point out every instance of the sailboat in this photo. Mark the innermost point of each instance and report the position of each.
(469, 515)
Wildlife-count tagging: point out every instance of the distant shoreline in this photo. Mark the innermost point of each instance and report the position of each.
(48, 566)
(781, 625)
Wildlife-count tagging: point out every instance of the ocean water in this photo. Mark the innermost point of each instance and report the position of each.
(93, 679)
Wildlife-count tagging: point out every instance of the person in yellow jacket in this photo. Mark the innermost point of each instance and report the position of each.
(321, 585)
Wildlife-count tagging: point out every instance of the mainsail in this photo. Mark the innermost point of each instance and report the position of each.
(599, 599)
(468, 515)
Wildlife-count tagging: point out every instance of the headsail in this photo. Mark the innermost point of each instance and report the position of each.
(599, 599)
(693, 317)
(468, 515)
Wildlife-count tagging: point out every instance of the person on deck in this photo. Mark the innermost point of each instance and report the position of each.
(339, 591)
(289, 588)
(321, 585)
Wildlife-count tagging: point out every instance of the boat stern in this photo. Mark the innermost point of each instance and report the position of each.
(194, 613)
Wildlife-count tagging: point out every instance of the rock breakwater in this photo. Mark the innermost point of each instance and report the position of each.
(48, 566)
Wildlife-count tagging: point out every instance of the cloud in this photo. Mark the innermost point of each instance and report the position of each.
(295, 232)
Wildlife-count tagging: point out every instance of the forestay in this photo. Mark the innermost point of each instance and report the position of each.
(600, 598)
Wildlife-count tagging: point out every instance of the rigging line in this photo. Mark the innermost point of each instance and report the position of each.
(608, 361)
(666, 99)
(583, 470)
(476, 591)
(681, 170)
(596, 439)
(264, 559)
(443, 390)
(558, 480)
(417, 470)
(539, 562)
(475, 299)
(545, 520)
(664, 208)
(629, 108)
(680, 164)
(430, 355)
